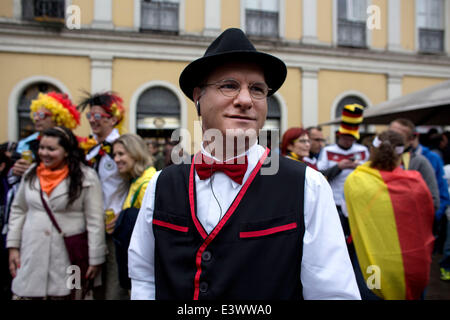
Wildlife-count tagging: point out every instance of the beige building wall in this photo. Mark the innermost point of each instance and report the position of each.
(325, 21)
(333, 84)
(194, 16)
(291, 92)
(293, 12)
(230, 17)
(7, 8)
(123, 13)
(380, 36)
(412, 84)
(19, 67)
(87, 10)
(408, 25)
(130, 74)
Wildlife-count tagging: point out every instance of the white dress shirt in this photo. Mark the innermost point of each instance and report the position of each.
(326, 270)
(330, 156)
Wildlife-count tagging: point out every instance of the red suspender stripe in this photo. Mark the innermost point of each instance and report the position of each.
(213, 234)
(170, 225)
(192, 202)
(266, 232)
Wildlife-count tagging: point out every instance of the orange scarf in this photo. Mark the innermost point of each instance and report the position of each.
(49, 179)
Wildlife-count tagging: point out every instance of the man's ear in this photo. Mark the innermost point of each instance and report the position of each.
(197, 94)
(114, 120)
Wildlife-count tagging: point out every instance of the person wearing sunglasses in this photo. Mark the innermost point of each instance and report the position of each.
(105, 112)
(46, 111)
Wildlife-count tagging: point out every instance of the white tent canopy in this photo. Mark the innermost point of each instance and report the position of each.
(430, 106)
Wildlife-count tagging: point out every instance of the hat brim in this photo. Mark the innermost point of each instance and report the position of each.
(194, 74)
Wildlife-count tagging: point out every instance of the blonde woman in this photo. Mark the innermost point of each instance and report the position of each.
(134, 163)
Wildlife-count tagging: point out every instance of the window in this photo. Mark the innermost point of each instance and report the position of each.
(26, 125)
(44, 10)
(261, 18)
(430, 24)
(159, 15)
(352, 23)
(158, 113)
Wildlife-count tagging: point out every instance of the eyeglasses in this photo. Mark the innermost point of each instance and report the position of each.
(231, 88)
(97, 115)
(305, 141)
(41, 115)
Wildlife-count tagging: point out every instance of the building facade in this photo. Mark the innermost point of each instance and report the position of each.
(336, 51)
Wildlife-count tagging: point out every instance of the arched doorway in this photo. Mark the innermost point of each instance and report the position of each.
(157, 113)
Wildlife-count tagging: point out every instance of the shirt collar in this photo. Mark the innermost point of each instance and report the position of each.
(112, 136)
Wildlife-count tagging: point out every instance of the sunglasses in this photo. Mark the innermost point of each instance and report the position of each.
(97, 115)
(41, 115)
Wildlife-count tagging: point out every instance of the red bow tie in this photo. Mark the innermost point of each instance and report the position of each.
(233, 168)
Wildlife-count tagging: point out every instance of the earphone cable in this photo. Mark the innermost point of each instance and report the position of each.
(214, 195)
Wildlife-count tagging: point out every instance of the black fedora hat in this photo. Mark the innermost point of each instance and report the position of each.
(232, 46)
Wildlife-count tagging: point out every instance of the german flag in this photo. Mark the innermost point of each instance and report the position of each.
(391, 219)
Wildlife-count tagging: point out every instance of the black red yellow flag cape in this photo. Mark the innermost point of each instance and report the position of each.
(391, 219)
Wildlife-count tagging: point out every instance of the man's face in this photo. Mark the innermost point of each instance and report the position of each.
(317, 140)
(101, 123)
(346, 140)
(240, 112)
(43, 120)
(403, 130)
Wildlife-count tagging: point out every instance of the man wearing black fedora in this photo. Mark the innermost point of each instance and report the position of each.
(218, 227)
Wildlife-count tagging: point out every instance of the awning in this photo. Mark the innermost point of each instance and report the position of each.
(430, 106)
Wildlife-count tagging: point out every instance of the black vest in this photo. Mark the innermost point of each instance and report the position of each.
(257, 252)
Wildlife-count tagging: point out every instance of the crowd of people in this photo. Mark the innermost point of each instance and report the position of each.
(216, 227)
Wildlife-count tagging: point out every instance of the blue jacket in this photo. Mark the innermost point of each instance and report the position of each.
(438, 166)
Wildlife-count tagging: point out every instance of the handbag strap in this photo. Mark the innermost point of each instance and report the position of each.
(50, 214)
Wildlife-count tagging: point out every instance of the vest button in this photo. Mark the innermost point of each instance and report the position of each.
(203, 287)
(206, 256)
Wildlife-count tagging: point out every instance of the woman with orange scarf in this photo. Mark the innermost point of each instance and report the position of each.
(38, 259)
